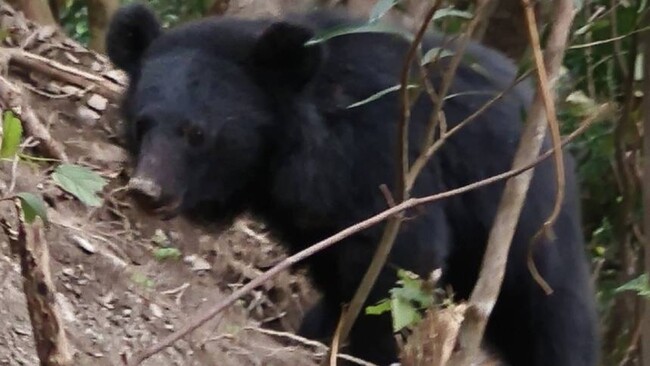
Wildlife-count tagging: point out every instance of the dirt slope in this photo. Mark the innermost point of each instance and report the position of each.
(116, 297)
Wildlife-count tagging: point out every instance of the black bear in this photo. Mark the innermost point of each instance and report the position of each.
(231, 115)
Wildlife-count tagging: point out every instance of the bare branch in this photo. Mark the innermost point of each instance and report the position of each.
(488, 286)
(554, 127)
(350, 314)
(405, 105)
(64, 73)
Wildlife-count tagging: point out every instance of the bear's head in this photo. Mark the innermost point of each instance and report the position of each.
(201, 109)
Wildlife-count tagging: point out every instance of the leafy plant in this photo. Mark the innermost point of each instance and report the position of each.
(407, 299)
(77, 180)
(12, 131)
(162, 254)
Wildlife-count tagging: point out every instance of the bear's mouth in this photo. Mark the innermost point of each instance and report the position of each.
(169, 210)
(165, 209)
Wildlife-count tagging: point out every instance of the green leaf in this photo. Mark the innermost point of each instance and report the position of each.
(582, 30)
(366, 28)
(381, 8)
(12, 132)
(162, 254)
(451, 12)
(379, 95)
(412, 289)
(33, 206)
(379, 308)
(639, 285)
(434, 54)
(404, 314)
(81, 182)
(142, 280)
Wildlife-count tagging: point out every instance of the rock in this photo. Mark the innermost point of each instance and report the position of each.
(156, 310)
(84, 244)
(197, 263)
(88, 115)
(97, 102)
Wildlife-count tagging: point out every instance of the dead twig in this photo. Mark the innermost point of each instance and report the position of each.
(405, 105)
(58, 71)
(554, 127)
(202, 316)
(318, 346)
(334, 350)
(488, 286)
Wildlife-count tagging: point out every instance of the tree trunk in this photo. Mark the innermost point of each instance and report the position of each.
(99, 14)
(36, 10)
(56, 6)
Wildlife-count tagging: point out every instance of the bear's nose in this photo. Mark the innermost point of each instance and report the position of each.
(145, 189)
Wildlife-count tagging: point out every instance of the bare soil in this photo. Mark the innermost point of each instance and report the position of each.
(115, 296)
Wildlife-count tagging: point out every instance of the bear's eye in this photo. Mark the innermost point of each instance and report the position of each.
(193, 134)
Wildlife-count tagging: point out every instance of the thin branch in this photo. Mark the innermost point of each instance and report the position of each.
(456, 59)
(480, 30)
(392, 227)
(403, 124)
(605, 41)
(488, 286)
(203, 316)
(589, 52)
(334, 350)
(421, 160)
(616, 42)
(385, 245)
(308, 343)
(554, 127)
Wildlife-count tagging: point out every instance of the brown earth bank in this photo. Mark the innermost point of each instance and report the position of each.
(115, 296)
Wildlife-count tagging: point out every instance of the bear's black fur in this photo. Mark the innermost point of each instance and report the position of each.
(227, 115)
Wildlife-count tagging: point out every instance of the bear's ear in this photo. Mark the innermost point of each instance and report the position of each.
(131, 31)
(281, 58)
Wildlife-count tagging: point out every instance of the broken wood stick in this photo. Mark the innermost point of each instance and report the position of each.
(28, 242)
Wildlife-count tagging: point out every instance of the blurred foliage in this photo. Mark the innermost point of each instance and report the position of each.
(74, 15)
(605, 65)
(74, 19)
(602, 65)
